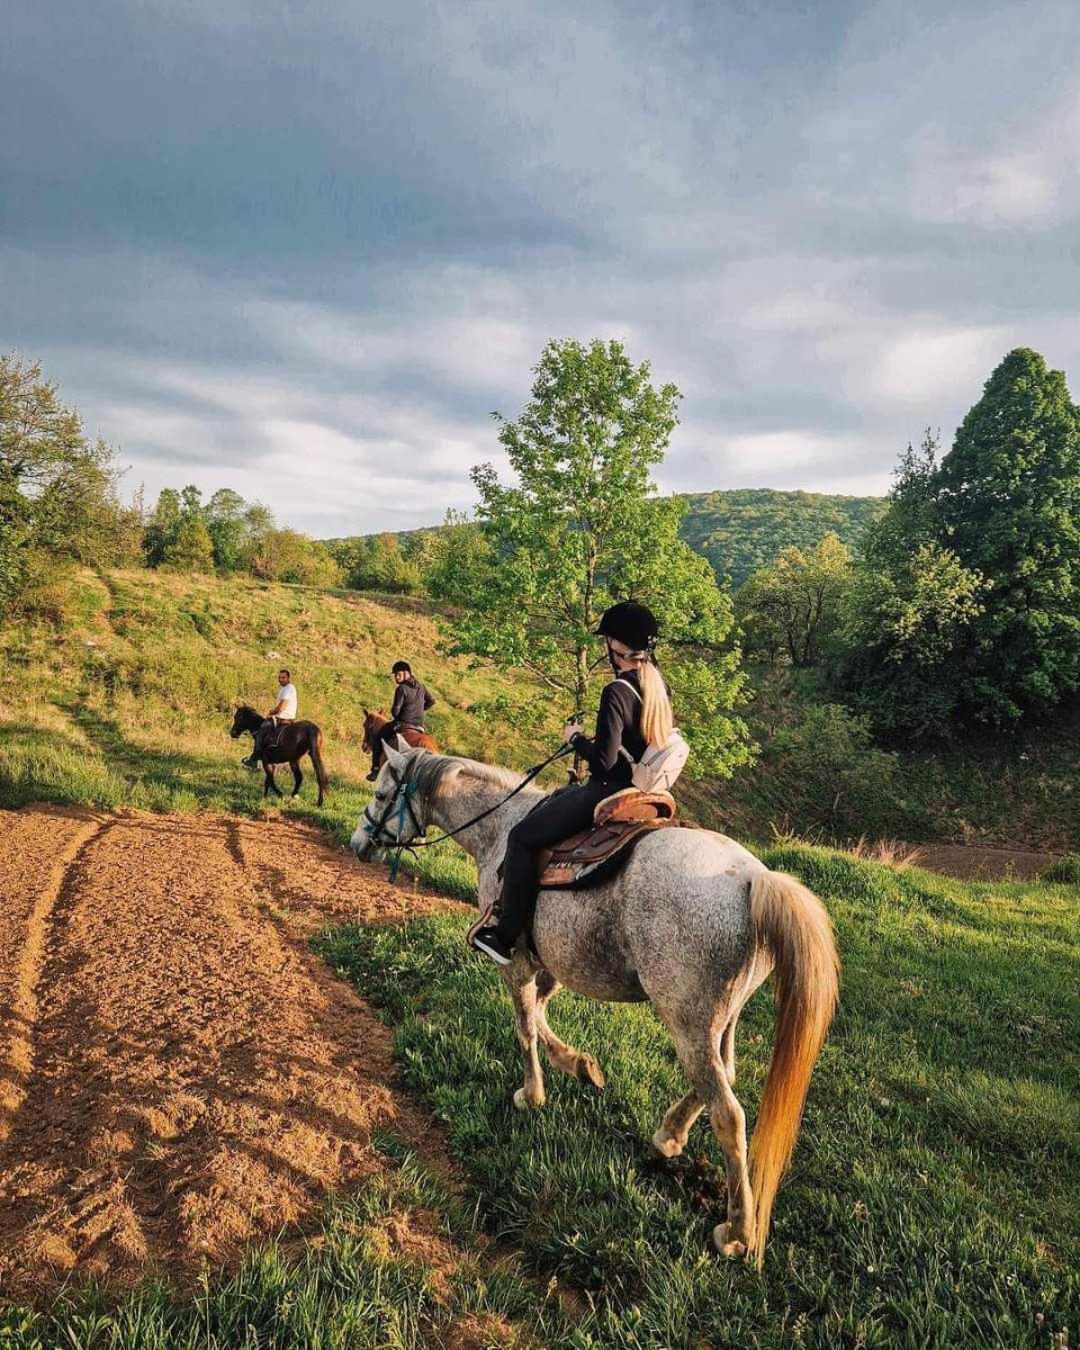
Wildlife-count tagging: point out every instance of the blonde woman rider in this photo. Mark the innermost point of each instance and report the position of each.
(635, 713)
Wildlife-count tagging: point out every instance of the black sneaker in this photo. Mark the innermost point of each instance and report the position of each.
(488, 941)
(372, 776)
(250, 762)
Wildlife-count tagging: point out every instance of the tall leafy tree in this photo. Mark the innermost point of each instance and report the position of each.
(455, 560)
(224, 516)
(190, 549)
(57, 488)
(795, 604)
(162, 526)
(906, 619)
(580, 528)
(1008, 494)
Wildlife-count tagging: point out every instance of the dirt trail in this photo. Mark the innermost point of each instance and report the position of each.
(983, 862)
(180, 1074)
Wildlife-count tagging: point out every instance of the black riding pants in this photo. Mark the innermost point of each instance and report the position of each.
(562, 814)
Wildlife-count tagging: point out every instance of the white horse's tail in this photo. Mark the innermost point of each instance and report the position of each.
(791, 923)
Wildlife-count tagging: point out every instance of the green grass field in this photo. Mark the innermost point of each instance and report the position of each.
(933, 1199)
(130, 702)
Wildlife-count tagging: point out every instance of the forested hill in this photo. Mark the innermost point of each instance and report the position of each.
(745, 528)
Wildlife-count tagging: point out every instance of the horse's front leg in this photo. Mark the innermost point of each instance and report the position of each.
(563, 1057)
(521, 980)
(297, 776)
(270, 785)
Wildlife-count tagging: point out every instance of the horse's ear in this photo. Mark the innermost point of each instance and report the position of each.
(402, 744)
(395, 757)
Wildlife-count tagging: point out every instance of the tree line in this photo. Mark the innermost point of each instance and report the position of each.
(229, 535)
(957, 606)
(60, 506)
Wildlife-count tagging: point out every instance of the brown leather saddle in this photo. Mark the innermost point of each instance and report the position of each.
(619, 821)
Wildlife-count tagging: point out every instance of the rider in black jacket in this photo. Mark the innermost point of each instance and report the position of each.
(635, 700)
(411, 701)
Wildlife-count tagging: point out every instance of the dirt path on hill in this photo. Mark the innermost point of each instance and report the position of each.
(179, 1074)
(978, 862)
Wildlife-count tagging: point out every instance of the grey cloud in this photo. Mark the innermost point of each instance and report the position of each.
(306, 250)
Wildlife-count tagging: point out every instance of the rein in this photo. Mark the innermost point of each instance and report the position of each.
(402, 799)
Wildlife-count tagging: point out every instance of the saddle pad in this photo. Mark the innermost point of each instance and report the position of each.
(595, 854)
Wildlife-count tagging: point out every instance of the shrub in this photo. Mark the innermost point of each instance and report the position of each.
(1066, 870)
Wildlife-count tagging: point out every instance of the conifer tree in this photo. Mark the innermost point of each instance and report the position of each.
(1008, 497)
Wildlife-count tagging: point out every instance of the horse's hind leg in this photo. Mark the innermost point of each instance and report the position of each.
(700, 1055)
(736, 1236)
(670, 1139)
(562, 1056)
(297, 777)
(523, 993)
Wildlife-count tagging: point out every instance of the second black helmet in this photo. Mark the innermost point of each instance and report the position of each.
(631, 623)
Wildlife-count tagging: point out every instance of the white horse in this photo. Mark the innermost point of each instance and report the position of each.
(693, 922)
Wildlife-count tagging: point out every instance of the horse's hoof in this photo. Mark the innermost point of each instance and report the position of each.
(588, 1071)
(722, 1241)
(524, 1103)
(663, 1146)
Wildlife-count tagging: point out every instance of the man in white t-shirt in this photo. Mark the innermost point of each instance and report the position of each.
(284, 710)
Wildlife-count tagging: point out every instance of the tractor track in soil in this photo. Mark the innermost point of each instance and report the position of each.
(180, 1075)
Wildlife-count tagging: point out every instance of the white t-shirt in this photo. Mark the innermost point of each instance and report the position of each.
(286, 696)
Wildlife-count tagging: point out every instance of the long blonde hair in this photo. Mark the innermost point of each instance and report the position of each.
(657, 719)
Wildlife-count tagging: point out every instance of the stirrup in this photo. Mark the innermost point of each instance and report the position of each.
(487, 917)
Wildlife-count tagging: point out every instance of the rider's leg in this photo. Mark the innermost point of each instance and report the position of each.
(252, 760)
(561, 815)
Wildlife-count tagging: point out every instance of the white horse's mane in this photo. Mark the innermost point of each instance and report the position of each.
(492, 773)
(430, 770)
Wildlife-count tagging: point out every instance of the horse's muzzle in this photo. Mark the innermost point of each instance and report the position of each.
(363, 846)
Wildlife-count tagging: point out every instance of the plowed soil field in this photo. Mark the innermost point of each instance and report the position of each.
(179, 1074)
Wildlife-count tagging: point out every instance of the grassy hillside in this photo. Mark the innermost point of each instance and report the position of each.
(741, 530)
(745, 528)
(129, 702)
(934, 1198)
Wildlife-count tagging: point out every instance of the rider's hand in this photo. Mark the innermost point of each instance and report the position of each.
(571, 730)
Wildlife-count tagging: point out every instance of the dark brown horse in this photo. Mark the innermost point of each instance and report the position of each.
(377, 724)
(289, 744)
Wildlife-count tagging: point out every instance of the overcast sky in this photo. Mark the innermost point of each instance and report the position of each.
(304, 249)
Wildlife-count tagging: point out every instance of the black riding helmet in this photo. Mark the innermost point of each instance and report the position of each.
(631, 623)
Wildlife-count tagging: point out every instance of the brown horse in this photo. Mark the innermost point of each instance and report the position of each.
(290, 744)
(377, 725)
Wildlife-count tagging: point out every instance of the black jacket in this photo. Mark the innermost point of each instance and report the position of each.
(618, 726)
(411, 701)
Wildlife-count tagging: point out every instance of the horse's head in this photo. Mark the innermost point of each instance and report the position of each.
(245, 718)
(374, 721)
(395, 813)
